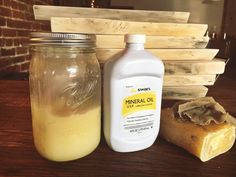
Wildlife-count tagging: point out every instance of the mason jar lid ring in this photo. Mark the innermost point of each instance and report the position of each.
(86, 40)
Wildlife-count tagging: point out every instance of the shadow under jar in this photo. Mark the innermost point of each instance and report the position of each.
(65, 95)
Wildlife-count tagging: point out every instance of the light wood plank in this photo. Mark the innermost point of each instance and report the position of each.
(215, 66)
(185, 80)
(184, 93)
(117, 42)
(105, 26)
(165, 54)
(42, 12)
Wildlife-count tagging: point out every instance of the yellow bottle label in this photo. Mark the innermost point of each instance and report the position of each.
(139, 102)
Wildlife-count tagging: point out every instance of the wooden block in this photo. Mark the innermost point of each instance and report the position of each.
(216, 66)
(105, 26)
(117, 42)
(165, 54)
(186, 80)
(184, 93)
(46, 12)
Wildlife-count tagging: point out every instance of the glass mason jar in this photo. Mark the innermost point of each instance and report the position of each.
(65, 95)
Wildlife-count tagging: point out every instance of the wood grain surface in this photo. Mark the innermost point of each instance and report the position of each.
(20, 159)
(185, 42)
(184, 92)
(106, 26)
(42, 12)
(216, 66)
(164, 54)
(188, 80)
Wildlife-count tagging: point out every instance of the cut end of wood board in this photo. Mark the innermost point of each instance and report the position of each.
(105, 26)
(188, 80)
(154, 42)
(165, 54)
(184, 93)
(42, 12)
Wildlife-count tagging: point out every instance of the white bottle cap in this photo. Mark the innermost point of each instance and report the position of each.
(135, 38)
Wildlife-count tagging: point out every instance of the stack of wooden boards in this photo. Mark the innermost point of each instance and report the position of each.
(181, 45)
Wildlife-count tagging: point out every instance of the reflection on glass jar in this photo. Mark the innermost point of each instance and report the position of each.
(65, 95)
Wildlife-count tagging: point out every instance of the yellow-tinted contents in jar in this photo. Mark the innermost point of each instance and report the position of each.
(64, 138)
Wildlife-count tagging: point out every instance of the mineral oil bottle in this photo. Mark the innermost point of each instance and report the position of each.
(133, 81)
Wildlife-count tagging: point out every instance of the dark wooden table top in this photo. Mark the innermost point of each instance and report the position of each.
(18, 156)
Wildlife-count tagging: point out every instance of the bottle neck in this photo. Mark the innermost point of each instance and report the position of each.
(135, 46)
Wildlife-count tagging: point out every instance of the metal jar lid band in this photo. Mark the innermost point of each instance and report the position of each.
(84, 40)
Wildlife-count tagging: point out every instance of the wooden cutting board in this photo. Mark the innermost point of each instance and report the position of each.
(42, 12)
(179, 67)
(105, 26)
(189, 80)
(165, 54)
(158, 42)
(184, 93)
(216, 66)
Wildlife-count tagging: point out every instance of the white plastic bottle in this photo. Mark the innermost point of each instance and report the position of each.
(133, 82)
